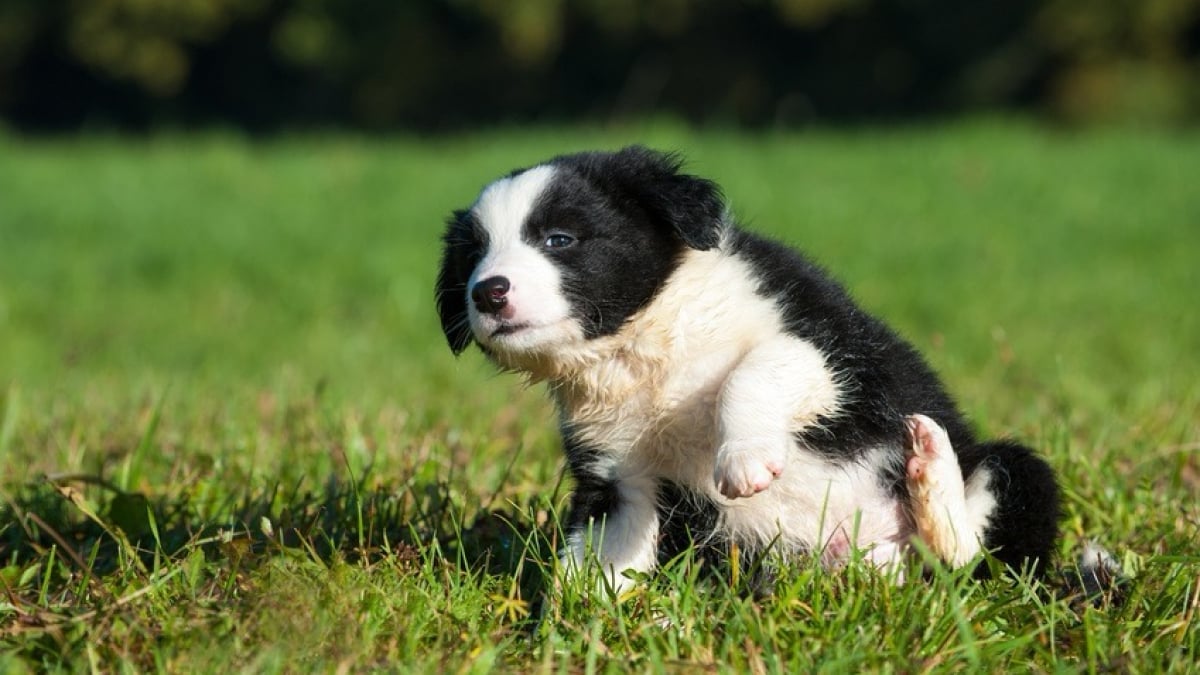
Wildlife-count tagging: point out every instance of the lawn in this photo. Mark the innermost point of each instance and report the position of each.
(232, 437)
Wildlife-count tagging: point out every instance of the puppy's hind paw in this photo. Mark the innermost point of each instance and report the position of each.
(930, 460)
(936, 489)
(744, 470)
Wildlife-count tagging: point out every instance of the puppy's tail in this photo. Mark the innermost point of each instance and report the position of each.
(1097, 578)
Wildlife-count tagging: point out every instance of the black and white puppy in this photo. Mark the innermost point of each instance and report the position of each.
(717, 387)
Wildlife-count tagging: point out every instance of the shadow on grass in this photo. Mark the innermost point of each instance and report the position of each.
(94, 529)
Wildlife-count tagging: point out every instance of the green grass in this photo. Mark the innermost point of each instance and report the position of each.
(231, 436)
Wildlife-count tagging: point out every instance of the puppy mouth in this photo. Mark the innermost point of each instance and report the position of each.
(507, 329)
(519, 340)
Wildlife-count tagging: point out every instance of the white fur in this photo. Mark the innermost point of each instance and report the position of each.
(504, 205)
(778, 388)
(950, 516)
(536, 305)
(626, 540)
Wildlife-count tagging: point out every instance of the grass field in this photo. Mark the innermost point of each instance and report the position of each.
(232, 438)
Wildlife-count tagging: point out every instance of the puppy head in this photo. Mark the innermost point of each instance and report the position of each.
(568, 250)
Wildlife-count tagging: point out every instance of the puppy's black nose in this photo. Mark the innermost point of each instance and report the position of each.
(489, 294)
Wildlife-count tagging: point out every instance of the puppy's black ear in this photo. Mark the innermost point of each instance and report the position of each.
(690, 205)
(460, 252)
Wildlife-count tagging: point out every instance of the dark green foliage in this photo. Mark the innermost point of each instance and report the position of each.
(441, 64)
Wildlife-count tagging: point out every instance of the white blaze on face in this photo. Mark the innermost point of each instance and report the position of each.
(536, 314)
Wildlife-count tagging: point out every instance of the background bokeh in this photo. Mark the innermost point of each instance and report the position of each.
(266, 65)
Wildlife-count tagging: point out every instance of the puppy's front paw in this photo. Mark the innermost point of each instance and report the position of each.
(743, 469)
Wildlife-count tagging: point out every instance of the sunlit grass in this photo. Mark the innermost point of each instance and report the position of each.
(231, 435)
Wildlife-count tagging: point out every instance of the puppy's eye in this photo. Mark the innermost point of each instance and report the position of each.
(559, 240)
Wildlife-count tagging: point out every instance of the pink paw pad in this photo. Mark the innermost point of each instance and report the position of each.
(745, 474)
(928, 444)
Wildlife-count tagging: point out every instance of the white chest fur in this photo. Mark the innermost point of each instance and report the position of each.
(708, 363)
(648, 396)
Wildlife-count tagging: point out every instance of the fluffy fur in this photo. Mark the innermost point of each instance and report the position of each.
(717, 387)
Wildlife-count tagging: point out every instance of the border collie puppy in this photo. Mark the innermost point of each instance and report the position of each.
(719, 388)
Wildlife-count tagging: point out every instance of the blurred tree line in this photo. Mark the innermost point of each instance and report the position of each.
(267, 64)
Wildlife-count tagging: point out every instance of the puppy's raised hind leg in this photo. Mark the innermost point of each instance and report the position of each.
(950, 514)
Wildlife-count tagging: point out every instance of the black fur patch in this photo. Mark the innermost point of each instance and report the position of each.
(882, 378)
(1024, 526)
(643, 180)
(632, 215)
(462, 248)
(620, 256)
(687, 521)
(595, 496)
